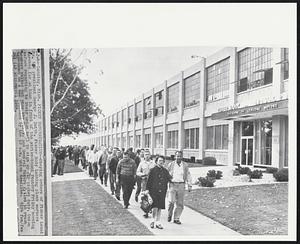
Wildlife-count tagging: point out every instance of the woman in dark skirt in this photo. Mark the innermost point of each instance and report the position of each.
(157, 186)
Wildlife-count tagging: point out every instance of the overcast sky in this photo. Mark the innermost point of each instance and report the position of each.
(118, 75)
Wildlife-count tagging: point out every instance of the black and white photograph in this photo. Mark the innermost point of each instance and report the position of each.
(119, 126)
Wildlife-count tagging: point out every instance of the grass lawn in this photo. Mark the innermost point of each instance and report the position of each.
(70, 167)
(249, 210)
(82, 207)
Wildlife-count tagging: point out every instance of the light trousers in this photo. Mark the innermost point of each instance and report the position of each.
(176, 197)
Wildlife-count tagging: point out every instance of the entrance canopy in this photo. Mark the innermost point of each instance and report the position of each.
(257, 111)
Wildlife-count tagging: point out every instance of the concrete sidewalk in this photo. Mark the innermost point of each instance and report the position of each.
(193, 223)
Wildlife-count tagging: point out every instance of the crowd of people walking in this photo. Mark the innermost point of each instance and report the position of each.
(126, 170)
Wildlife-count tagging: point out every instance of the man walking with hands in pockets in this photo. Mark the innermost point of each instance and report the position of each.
(181, 175)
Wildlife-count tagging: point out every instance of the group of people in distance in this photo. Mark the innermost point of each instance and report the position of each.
(126, 170)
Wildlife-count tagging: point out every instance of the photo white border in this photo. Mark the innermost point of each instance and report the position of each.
(43, 25)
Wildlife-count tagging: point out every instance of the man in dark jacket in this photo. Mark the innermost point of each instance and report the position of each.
(60, 156)
(112, 163)
(76, 154)
(126, 174)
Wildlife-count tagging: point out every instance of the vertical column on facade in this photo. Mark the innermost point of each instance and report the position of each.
(278, 123)
(165, 118)
(202, 108)
(127, 125)
(133, 132)
(276, 73)
(142, 126)
(152, 121)
(121, 131)
(180, 113)
(233, 77)
(104, 132)
(116, 128)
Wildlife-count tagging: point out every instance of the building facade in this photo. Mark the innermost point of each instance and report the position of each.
(232, 105)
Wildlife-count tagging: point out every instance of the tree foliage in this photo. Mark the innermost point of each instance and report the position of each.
(72, 108)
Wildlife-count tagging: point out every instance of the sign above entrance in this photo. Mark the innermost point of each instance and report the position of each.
(251, 110)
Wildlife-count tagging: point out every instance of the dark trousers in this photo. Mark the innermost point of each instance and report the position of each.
(76, 160)
(103, 174)
(127, 183)
(114, 186)
(55, 166)
(139, 186)
(61, 166)
(90, 169)
(95, 170)
(83, 163)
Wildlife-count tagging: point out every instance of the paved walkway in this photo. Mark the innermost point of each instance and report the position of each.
(193, 223)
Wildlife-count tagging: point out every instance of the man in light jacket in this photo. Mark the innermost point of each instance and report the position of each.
(143, 172)
(103, 175)
(181, 175)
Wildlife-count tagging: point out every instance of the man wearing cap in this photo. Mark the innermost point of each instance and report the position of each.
(181, 175)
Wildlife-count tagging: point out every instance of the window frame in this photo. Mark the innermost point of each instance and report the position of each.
(254, 67)
(191, 84)
(224, 146)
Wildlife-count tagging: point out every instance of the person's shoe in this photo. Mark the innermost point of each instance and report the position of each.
(126, 206)
(118, 198)
(146, 215)
(152, 225)
(136, 198)
(177, 221)
(159, 226)
(169, 218)
(101, 182)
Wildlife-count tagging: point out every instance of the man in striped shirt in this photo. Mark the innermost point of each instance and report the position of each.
(126, 174)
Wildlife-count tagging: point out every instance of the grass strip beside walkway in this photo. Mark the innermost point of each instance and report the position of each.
(249, 210)
(82, 207)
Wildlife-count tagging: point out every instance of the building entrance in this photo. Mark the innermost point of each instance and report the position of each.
(247, 151)
(247, 139)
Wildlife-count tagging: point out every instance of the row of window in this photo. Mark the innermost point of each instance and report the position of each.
(217, 138)
(254, 70)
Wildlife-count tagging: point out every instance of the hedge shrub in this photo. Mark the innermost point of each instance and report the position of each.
(209, 161)
(255, 174)
(206, 181)
(215, 174)
(271, 170)
(243, 170)
(281, 175)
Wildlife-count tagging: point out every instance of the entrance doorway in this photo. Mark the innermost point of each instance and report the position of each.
(247, 151)
(247, 144)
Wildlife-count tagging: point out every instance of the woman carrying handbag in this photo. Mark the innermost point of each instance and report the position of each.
(157, 186)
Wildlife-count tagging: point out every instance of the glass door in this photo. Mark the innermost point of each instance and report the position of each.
(247, 143)
(247, 151)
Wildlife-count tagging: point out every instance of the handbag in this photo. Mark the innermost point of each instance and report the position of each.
(146, 202)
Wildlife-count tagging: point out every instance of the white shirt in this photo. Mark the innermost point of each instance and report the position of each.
(178, 173)
(97, 156)
(144, 167)
(91, 156)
